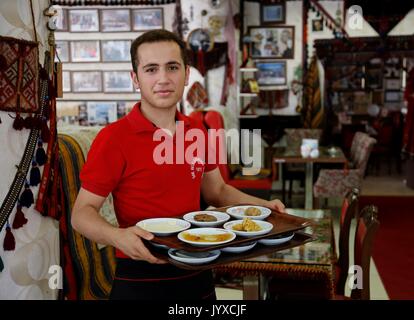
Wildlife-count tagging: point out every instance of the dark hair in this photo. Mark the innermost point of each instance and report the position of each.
(156, 36)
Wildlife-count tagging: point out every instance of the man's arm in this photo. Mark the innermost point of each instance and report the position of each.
(87, 221)
(219, 194)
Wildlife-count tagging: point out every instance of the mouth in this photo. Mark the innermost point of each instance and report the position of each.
(164, 93)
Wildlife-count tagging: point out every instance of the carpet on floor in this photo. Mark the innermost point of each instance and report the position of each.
(393, 251)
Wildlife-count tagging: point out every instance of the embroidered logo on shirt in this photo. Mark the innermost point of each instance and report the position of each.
(197, 167)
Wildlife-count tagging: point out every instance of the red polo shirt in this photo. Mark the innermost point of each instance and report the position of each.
(121, 161)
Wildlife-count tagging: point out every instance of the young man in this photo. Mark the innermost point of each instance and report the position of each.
(121, 162)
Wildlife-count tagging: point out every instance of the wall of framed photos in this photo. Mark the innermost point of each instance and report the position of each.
(276, 49)
(93, 44)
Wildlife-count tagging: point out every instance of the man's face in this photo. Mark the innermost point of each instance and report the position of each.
(161, 74)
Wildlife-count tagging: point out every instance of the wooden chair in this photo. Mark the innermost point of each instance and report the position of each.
(348, 213)
(366, 230)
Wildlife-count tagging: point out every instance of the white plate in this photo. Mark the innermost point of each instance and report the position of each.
(164, 226)
(240, 248)
(266, 228)
(276, 241)
(221, 218)
(238, 212)
(206, 231)
(192, 257)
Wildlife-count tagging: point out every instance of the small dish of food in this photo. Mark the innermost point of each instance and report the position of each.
(206, 236)
(279, 239)
(193, 257)
(242, 247)
(253, 212)
(248, 227)
(164, 226)
(206, 218)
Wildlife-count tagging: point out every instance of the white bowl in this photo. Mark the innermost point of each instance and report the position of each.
(163, 226)
(266, 228)
(238, 212)
(241, 248)
(206, 232)
(276, 241)
(192, 257)
(220, 216)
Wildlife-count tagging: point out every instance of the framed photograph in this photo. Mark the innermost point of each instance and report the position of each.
(272, 42)
(147, 19)
(345, 77)
(317, 25)
(84, 20)
(393, 96)
(373, 78)
(271, 73)
(86, 81)
(200, 38)
(117, 81)
(62, 51)
(62, 20)
(393, 84)
(66, 81)
(115, 50)
(115, 20)
(272, 13)
(101, 112)
(85, 51)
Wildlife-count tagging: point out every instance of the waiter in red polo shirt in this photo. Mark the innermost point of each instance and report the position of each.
(123, 161)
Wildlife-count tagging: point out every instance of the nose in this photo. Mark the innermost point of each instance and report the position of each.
(163, 76)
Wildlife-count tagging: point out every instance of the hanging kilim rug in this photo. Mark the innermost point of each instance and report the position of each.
(18, 75)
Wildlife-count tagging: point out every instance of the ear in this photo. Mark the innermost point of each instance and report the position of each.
(187, 75)
(135, 81)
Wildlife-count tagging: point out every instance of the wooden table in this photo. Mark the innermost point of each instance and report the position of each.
(313, 260)
(292, 155)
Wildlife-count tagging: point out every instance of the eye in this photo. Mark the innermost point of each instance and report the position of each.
(151, 70)
(173, 68)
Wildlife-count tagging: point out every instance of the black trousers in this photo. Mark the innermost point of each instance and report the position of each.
(140, 280)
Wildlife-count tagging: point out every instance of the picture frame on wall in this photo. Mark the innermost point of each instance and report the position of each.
(62, 51)
(85, 51)
(66, 81)
(271, 73)
(117, 81)
(147, 19)
(317, 25)
(101, 112)
(272, 13)
(86, 81)
(62, 20)
(393, 84)
(272, 42)
(115, 50)
(115, 20)
(373, 78)
(84, 20)
(393, 96)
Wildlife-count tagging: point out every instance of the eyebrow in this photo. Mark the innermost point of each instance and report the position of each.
(149, 65)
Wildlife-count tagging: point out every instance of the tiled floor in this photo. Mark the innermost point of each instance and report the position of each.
(382, 184)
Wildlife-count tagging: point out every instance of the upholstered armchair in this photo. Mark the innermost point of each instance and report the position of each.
(338, 182)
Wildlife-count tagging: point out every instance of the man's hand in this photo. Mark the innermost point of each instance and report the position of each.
(276, 205)
(128, 240)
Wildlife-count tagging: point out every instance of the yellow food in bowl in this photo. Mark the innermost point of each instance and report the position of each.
(248, 225)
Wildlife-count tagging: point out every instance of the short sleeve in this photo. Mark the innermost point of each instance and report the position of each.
(104, 165)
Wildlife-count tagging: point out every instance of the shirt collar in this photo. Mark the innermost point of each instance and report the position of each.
(139, 123)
